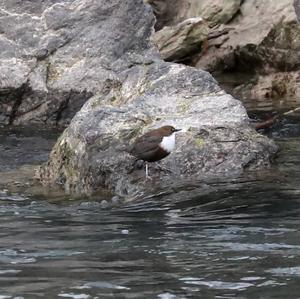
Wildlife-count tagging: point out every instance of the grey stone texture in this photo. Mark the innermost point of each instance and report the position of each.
(135, 91)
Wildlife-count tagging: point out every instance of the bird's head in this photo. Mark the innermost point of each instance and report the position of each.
(168, 130)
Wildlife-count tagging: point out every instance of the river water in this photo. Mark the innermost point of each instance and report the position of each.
(240, 241)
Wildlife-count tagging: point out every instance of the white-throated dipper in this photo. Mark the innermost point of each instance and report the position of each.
(154, 145)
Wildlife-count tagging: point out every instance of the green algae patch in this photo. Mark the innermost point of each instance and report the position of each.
(199, 142)
(183, 107)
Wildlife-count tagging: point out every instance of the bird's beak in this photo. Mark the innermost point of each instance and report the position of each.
(177, 130)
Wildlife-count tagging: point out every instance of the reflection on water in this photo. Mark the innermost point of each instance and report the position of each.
(236, 84)
(239, 241)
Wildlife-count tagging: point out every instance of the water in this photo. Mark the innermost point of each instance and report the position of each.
(240, 240)
(237, 244)
(235, 84)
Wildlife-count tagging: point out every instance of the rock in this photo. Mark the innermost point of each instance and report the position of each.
(217, 138)
(89, 205)
(172, 12)
(104, 204)
(54, 56)
(271, 54)
(255, 37)
(242, 47)
(137, 92)
(216, 11)
(115, 200)
(181, 41)
(244, 35)
(168, 12)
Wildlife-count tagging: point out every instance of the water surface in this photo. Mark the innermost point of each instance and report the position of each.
(240, 241)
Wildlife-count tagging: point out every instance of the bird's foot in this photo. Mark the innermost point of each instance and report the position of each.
(136, 164)
(161, 168)
(148, 178)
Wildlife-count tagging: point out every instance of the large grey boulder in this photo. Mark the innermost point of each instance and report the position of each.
(54, 55)
(143, 92)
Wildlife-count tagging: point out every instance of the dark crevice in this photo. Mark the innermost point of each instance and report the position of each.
(63, 106)
(70, 105)
(19, 94)
(61, 113)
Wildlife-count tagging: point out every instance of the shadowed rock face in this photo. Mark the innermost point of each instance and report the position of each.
(258, 37)
(246, 35)
(137, 92)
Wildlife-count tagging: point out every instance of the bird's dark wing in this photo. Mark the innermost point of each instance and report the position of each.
(145, 145)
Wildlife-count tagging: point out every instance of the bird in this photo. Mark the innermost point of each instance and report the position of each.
(154, 145)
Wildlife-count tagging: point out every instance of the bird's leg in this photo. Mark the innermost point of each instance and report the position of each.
(147, 172)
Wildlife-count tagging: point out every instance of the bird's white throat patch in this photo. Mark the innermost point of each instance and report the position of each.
(168, 143)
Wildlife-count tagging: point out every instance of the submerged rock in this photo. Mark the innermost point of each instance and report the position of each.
(142, 93)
